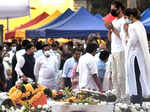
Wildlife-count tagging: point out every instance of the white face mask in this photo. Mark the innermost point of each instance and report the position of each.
(5, 49)
(13, 48)
(128, 21)
(47, 53)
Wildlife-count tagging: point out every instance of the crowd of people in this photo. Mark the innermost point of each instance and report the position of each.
(88, 65)
(50, 64)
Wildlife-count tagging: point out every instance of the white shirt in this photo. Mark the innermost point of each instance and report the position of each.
(68, 67)
(45, 71)
(87, 67)
(57, 55)
(11, 54)
(116, 42)
(20, 53)
(19, 65)
(38, 54)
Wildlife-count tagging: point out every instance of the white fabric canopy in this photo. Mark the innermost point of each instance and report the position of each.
(14, 8)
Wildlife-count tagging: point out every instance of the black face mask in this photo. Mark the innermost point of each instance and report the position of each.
(114, 13)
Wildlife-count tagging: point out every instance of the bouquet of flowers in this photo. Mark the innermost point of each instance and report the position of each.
(28, 91)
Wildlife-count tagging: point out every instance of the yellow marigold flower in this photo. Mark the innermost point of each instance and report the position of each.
(54, 93)
(19, 101)
(41, 87)
(29, 88)
(13, 89)
(35, 97)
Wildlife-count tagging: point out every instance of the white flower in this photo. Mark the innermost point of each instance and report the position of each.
(12, 108)
(80, 103)
(117, 109)
(29, 80)
(103, 103)
(133, 110)
(3, 107)
(119, 104)
(137, 106)
(45, 106)
(17, 110)
(86, 104)
(23, 108)
(39, 106)
(32, 108)
(124, 106)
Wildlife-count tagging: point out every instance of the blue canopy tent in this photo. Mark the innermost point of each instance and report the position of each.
(147, 27)
(78, 25)
(146, 21)
(38, 32)
(99, 16)
(145, 14)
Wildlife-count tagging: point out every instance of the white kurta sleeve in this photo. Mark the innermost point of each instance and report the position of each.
(37, 69)
(19, 65)
(92, 65)
(65, 68)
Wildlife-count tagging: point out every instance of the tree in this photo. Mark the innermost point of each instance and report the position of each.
(103, 6)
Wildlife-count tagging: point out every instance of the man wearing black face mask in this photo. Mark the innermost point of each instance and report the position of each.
(117, 49)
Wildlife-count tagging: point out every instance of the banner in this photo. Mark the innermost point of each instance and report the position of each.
(14, 8)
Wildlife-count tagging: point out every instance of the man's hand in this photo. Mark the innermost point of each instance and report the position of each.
(24, 77)
(62, 83)
(98, 36)
(5, 86)
(126, 27)
(108, 25)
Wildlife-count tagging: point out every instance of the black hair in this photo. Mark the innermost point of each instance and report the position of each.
(14, 41)
(75, 49)
(91, 47)
(9, 44)
(38, 45)
(132, 11)
(104, 55)
(25, 43)
(54, 44)
(118, 5)
(57, 43)
(70, 44)
(19, 46)
(1, 48)
(28, 46)
(45, 45)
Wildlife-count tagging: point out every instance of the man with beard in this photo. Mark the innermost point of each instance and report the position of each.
(68, 67)
(117, 49)
(46, 69)
(25, 63)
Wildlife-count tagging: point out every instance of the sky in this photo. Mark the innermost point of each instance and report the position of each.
(49, 6)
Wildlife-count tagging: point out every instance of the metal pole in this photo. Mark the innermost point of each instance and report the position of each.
(7, 24)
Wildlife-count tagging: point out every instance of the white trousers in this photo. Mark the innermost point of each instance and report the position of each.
(118, 73)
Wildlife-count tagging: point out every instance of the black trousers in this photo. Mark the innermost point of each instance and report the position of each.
(137, 98)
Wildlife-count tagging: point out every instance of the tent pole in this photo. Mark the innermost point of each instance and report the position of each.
(7, 24)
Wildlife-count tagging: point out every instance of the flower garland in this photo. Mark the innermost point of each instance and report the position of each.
(29, 92)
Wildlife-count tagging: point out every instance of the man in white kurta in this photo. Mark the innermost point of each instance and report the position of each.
(87, 69)
(45, 69)
(117, 50)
